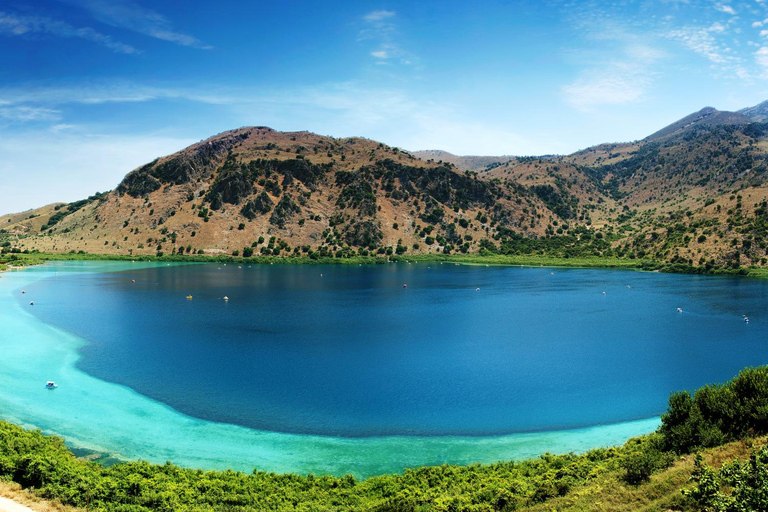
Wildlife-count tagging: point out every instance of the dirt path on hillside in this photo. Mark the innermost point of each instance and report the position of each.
(8, 505)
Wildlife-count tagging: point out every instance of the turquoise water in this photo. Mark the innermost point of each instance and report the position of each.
(350, 372)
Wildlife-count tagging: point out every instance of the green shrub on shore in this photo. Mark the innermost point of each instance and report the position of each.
(44, 463)
(716, 414)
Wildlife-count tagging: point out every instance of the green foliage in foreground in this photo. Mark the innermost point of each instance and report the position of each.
(709, 417)
(44, 463)
(716, 414)
(736, 487)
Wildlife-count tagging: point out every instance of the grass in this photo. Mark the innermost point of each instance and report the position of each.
(609, 493)
(26, 497)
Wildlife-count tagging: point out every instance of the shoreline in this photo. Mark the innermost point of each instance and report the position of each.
(34, 259)
(129, 426)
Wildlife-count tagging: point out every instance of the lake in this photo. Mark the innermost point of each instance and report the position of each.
(462, 355)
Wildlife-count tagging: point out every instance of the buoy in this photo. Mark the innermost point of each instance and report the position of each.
(477, 289)
(603, 293)
(405, 286)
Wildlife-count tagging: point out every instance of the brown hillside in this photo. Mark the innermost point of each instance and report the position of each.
(695, 196)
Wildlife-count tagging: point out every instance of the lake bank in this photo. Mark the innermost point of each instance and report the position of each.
(32, 259)
(109, 418)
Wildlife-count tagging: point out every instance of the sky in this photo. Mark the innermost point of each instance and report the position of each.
(91, 89)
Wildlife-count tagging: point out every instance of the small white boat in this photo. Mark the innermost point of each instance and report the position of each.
(51, 385)
(679, 310)
(226, 298)
(32, 303)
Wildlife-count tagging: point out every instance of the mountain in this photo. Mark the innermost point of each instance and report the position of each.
(256, 189)
(694, 193)
(757, 113)
(707, 116)
(463, 163)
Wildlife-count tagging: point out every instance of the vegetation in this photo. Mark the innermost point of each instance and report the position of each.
(641, 474)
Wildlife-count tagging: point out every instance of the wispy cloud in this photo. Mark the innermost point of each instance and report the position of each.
(378, 16)
(379, 27)
(26, 113)
(616, 80)
(130, 15)
(761, 59)
(18, 25)
(725, 8)
(103, 92)
(704, 41)
(618, 84)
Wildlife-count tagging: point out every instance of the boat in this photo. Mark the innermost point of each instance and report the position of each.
(51, 385)
(189, 297)
(226, 298)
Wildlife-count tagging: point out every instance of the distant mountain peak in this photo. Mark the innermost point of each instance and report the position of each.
(758, 113)
(708, 116)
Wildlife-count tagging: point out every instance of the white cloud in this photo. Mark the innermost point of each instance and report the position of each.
(108, 92)
(26, 113)
(378, 15)
(717, 28)
(725, 8)
(17, 25)
(621, 84)
(379, 27)
(757, 24)
(701, 41)
(615, 81)
(132, 16)
(761, 57)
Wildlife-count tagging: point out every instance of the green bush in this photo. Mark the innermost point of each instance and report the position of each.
(717, 414)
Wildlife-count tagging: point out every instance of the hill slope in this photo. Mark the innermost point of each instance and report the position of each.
(694, 193)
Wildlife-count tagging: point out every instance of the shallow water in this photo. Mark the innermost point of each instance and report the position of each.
(390, 377)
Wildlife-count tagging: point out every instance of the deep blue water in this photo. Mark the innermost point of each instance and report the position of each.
(348, 351)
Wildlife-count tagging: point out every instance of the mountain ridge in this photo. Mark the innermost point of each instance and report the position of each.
(694, 192)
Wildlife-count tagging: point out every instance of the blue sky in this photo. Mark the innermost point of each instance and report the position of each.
(90, 89)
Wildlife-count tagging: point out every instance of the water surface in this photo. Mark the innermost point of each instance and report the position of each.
(351, 372)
